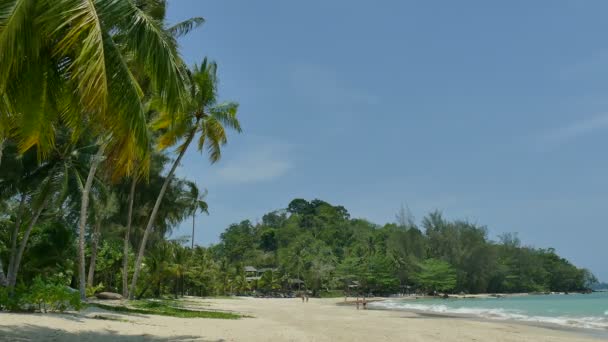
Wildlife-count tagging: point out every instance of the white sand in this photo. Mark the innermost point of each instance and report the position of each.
(274, 320)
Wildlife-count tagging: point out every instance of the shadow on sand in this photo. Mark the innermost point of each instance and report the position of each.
(37, 333)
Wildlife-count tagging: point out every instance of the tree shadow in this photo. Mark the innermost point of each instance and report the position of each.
(22, 333)
(63, 315)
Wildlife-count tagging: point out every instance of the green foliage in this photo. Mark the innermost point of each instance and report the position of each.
(14, 302)
(269, 282)
(92, 290)
(49, 296)
(436, 275)
(44, 296)
(320, 244)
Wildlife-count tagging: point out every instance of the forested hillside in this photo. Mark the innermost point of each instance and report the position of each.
(321, 244)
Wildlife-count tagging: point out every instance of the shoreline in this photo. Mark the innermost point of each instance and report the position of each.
(274, 320)
(586, 331)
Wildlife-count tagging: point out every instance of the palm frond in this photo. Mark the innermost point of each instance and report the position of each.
(156, 49)
(20, 39)
(226, 113)
(183, 28)
(84, 35)
(215, 138)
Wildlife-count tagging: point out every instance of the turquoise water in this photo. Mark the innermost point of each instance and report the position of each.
(574, 310)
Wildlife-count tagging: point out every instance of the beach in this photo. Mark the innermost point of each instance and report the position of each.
(272, 320)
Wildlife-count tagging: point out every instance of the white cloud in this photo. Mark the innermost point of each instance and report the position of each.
(259, 163)
(573, 131)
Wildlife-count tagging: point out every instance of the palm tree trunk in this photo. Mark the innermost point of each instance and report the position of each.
(12, 276)
(2, 140)
(94, 245)
(193, 215)
(142, 246)
(3, 280)
(125, 249)
(84, 206)
(16, 229)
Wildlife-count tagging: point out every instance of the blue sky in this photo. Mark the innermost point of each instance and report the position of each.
(495, 112)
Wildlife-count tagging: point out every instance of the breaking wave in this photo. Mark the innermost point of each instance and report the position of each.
(589, 322)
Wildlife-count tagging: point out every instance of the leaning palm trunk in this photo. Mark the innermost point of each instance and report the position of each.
(16, 229)
(125, 250)
(84, 205)
(13, 271)
(142, 246)
(94, 246)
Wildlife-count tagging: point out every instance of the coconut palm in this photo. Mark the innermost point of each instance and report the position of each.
(73, 60)
(194, 200)
(202, 115)
(104, 207)
(179, 267)
(53, 181)
(127, 238)
(49, 48)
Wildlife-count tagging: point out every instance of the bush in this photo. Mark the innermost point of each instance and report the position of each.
(50, 296)
(14, 302)
(92, 290)
(42, 295)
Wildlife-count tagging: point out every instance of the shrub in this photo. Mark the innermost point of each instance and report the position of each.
(14, 302)
(92, 290)
(50, 296)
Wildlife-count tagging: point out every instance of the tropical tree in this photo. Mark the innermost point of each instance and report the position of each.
(195, 202)
(179, 266)
(71, 59)
(104, 207)
(127, 238)
(52, 182)
(74, 60)
(436, 275)
(202, 115)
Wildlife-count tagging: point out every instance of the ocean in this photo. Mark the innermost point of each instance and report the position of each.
(589, 311)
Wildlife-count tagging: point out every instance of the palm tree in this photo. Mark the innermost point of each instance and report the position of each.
(83, 49)
(195, 202)
(201, 115)
(104, 206)
(127, 238)
(158, 266)
(72, 60)
(179, 267)
(84, 206)
(17, 182)
(53, 181)
(157, 10)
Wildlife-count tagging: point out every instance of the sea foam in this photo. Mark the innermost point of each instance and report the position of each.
(495, 314)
